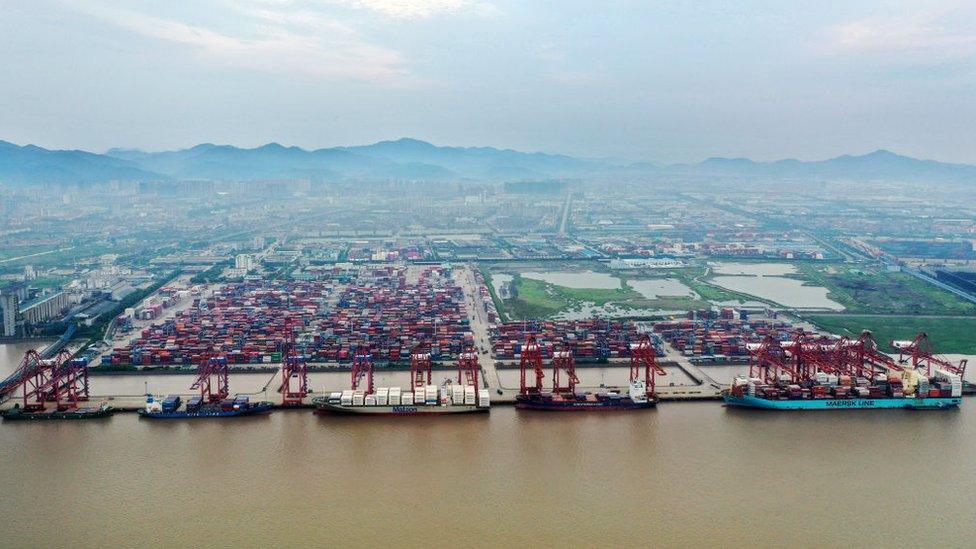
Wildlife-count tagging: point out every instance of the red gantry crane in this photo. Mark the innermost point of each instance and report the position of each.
(59, 380)
(420, 366)
(362, 366)
(531, 358)
(294, 374)
(768, 359)
(468, 368)
(867, 357)
(562, 362)
(212, 379)
(643, 355)
(920, 351)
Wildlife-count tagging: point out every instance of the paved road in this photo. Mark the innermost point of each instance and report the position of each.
(478, 318)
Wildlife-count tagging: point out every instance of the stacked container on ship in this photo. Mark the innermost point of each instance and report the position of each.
(423, 398)
(394, 401)
(173, 407)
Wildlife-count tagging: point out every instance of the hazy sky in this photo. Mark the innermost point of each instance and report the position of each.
(655, 80)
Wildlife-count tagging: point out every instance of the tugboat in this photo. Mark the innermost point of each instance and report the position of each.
(214, 401)
(564, 398)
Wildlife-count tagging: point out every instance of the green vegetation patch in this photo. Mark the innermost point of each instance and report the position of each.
(875, 290)
(539, 299)
(948, 335)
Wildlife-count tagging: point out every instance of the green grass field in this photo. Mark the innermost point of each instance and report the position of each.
(948, 335)
(874, 290)
(539, 299)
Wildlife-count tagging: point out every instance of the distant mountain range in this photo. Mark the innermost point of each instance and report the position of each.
(411, 159)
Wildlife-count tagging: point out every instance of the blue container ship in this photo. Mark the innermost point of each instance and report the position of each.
(924, 403)
(908, 390)
(172, 407)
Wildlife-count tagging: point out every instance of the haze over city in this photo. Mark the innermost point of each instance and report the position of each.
(286, 273)
(644, 81)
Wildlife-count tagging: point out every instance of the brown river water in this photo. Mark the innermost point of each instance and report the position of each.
(685, 474)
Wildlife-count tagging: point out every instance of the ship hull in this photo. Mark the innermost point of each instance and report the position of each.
(620, 405)
(927, 403)
(82, 413)
(404, 410)
(253, 410)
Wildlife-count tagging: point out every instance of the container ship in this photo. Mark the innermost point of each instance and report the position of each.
(636, 398)
(910, 389)
(172, 407)
(465, 396)
(393, 401)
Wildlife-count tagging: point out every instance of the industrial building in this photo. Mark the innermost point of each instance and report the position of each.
(18, 309)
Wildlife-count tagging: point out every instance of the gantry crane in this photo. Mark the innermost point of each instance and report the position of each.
(420, 366)
(468, 368)
(58, 379)
(531, 358)
(921, 354)
(294, 374)
(362, 366)
(563, 362)
(643, 355)
(212, 379)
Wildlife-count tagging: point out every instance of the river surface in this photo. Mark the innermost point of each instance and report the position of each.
(767, 280)
(653, 288)
(688, 474)
(12, 353)
(685, 474)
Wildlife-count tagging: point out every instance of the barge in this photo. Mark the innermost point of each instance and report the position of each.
(20, 414)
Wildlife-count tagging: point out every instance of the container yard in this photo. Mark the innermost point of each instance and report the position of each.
(374, 308)
(723, 335)
(586, 339)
